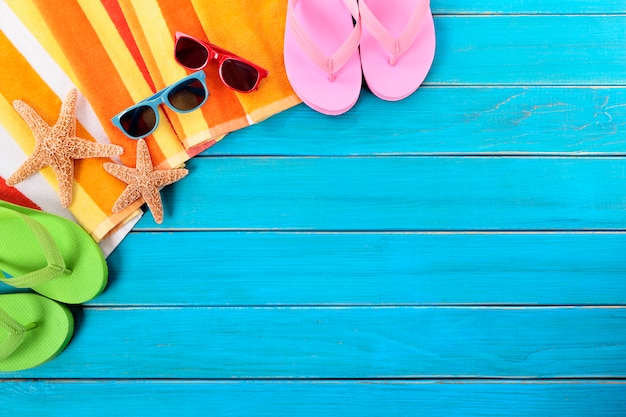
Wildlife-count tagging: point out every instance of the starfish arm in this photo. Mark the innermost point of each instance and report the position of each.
(143, 181)
(82, 148)
(58, 146)
(153, 199)
(28, 168)
(144, 162)
(120, 172)
(66, 123)
(64, 171)
(164, 177)
(128, 196)
(32, 119)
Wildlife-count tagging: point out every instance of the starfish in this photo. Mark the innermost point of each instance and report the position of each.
(57, 146)
(143, 181)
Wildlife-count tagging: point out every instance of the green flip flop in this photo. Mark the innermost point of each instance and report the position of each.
(33, 330)
(52, 255)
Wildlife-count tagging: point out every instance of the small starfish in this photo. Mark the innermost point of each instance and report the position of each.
(143, 181)
(57, 146)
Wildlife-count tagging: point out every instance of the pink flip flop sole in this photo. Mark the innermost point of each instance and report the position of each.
(327, 24)
(391, 20)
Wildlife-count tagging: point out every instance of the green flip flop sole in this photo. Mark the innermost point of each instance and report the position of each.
(33, 330)
(50, 254)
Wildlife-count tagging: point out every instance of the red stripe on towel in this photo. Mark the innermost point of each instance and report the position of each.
(12, 195)
(117, 16)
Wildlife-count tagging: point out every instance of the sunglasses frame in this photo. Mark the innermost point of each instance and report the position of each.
(161, 97)
(221, 55)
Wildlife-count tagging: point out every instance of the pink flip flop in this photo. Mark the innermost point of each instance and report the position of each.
(322, 55)
(397, 45)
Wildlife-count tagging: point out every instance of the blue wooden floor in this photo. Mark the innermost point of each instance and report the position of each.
(458, 253)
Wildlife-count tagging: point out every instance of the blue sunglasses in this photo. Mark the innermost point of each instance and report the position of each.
(185, 96)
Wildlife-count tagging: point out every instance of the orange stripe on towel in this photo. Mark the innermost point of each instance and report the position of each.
(223, 104)
(156, 43)
(165, 148)
(19, 81)
(30, 16)
(101, 83)
(256, 32)
(153, 26)
(115, 13)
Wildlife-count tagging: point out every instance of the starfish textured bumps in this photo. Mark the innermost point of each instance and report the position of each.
(143, 181)
(57, 146)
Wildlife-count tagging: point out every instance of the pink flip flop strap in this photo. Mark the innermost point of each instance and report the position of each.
(334, 63)
(395, 46)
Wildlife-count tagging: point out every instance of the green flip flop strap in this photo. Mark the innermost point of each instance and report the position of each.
(15, 334)
(56, 264)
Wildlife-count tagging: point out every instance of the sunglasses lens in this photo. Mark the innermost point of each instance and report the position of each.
(239, 75)
(138, 121)
(191, 54)
(187, 96)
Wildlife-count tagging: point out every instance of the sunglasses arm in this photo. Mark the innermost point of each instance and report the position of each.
(216, 51)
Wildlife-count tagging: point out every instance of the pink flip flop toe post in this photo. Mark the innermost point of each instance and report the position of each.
(397, 45)
(321, 53)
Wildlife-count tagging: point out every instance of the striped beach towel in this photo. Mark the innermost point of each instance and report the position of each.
(117, 53)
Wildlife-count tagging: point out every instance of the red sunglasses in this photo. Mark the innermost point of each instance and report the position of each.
(235, 72)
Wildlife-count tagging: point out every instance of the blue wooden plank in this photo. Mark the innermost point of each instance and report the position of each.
(249, 269)
(528, 7)
(554, 50)
(448, 120)
(332, 399)
(342, 342)
(398, 193)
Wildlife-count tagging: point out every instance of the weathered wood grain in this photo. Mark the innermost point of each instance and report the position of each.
(528, 7)
(448, 120)
(320, 398)
(399, 193)
(343, 342)
(514, 50)
(279, 268)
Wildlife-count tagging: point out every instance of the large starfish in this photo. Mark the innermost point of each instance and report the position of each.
(57, 146)
(143, 181)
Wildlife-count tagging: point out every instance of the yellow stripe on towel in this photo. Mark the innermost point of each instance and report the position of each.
(89, 206)
(116, 49)
(30, 16)
(160, 45)
(256, 33)
(84, 208)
